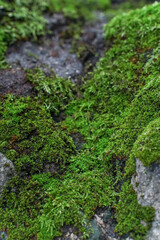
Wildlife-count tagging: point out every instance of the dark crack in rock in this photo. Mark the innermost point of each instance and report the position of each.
(91, 45)
(103, 225)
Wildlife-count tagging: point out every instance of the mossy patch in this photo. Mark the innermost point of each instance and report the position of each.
(23, 20)
(20, 204)
(147, 146)
(120, 99)
(53, 91)
(131, 215)
(73, 201)
(29, 137)
(118, 115)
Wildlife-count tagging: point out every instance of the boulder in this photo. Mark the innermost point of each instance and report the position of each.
(6, 171)
(147, 186)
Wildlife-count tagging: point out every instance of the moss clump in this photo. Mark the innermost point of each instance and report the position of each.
(22, 19)
(3, 47)
(29, 136)
(20, 204)
(119, 100)
(147, 146)
(54, 92)
(78, 9)
(73, 201)
(120, 103)
(130, 214)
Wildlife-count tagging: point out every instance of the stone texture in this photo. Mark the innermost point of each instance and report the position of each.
(14, 81)
(147, 185)
(6, 171)
(3, 235)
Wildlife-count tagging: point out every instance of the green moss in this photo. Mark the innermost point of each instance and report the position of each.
(147, 146)
(120, 99)
(118, 116)
(20, 204)
(29, 136)
(130, 214)
(54, 92)
(73, 201)
(22, 19)
(3, 47)
(76, 9)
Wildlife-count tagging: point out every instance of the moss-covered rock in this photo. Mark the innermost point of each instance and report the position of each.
(121, 99)
(118, 116)
(147, 146)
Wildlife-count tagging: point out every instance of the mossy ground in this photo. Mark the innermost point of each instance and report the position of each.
(118, 116)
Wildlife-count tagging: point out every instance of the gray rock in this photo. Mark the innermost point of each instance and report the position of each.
(147, 185)
(6, 171)
(3, 236)
(50, 54)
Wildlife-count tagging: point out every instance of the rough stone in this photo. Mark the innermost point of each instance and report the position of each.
(3, 235)
(6, 171)
(14, 81)
(147, 185)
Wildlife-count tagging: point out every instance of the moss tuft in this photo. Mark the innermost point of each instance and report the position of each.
(147, 146)
(54, 92)
(30, 138)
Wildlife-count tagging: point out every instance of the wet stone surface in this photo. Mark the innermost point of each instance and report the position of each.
(54, 52)
(51, 53)
(47, 55)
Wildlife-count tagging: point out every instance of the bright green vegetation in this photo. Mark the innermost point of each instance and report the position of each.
(74, 200)
(30, 138)
(3, 47)
(119, 112)
(22, 19)
(21, 207)
(54, 92)
(147, 146)
(118, 116)
(130, 214)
